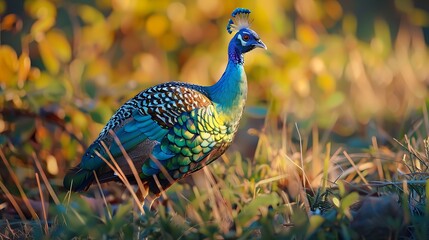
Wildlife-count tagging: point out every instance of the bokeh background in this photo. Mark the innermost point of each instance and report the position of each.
(354, 69)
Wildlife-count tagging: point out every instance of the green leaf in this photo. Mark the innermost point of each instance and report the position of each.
(315, 222)
(349, 200)
(251, 210)
(101, 114)
(123, 210)
(55, 91)
(336, 202)
(334, 100)
(90, 88)
(23, 130)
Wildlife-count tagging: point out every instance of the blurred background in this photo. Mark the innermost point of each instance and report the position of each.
(351, 69)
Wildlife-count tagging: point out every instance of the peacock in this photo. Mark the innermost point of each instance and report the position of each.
(173, 129)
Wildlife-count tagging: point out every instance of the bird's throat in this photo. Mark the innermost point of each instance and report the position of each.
(230, 92)
(235, 55)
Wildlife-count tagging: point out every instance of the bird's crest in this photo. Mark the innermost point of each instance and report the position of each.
(239, 20)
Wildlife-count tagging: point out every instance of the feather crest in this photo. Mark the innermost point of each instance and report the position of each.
(239, 20)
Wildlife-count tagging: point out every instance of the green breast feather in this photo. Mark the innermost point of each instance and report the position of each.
(188, 144)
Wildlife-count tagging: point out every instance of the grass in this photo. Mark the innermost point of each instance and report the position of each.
(277, 193)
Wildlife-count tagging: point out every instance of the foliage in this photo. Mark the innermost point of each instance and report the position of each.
(340, 83)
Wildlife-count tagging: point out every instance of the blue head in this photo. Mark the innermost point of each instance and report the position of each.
(245, 39)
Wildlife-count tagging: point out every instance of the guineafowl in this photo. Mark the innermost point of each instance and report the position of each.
(173, 129)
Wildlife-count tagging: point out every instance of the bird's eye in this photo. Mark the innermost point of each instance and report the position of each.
(246, 37)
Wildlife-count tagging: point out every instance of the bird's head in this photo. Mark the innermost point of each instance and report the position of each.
(245, 39)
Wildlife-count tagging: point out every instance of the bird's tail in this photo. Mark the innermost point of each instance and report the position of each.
(78, 179)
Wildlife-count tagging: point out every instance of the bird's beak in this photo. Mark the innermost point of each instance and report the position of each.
(260, 44)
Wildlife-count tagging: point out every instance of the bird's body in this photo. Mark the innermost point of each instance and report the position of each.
(172, 129)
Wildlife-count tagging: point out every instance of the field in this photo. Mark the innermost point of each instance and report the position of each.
(333, 143)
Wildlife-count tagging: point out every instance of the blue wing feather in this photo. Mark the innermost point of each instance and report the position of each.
(90, 160)
(140, 128)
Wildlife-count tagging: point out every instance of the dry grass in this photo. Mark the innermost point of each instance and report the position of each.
(243, 197)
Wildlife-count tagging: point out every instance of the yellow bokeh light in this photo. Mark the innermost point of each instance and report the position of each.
(156, 25)
(307, 35)
(176, 11)
(52, 165)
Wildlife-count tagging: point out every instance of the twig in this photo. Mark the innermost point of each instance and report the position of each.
(18, 185)
(377, 184)
(301, 157)
(268, 180)
(12, 201)
(47, 117)
(46, 181)
(42, 201)
(415, 154)
(109, 214)
(131, 164)
(355, 167)
(120, 173)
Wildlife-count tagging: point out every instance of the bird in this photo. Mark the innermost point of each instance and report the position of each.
(173, 129)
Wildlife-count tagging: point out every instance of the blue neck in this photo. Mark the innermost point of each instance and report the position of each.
(235, 55)
(230, 92)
